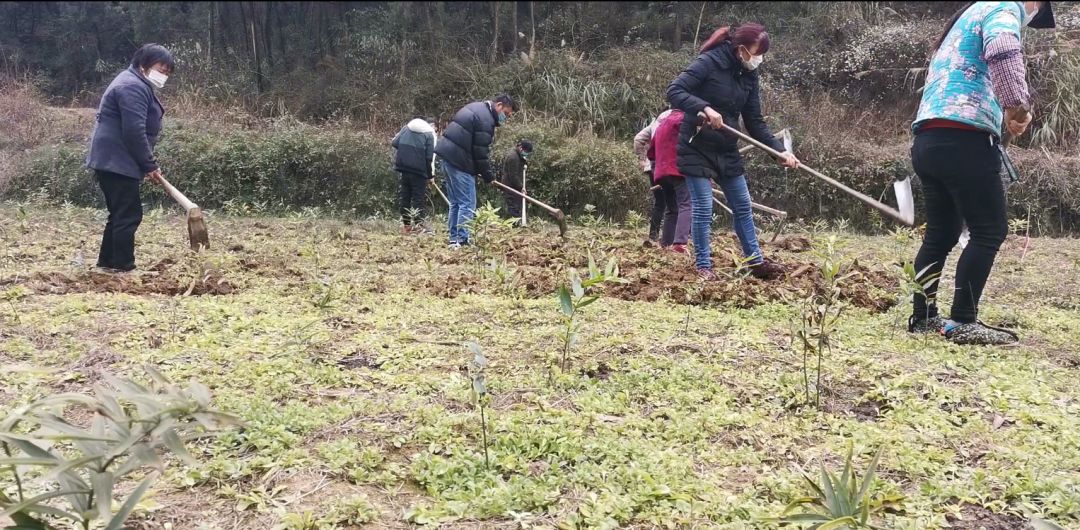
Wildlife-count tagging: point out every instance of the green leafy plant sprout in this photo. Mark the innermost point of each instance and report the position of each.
(485, 231)
(821, 312)
(844, 502)
(80, 466)
(575, 297)
(634, 220)
(917, 283)
(479, 390)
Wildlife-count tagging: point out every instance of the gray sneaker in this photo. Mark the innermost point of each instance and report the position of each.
(977, 333)
(934, 324)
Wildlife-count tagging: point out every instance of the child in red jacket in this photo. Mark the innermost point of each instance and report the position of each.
(676, 229)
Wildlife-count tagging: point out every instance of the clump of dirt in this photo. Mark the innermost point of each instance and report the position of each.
(980, 518)
(601, 372)
(650, 273)
(157, 279)
(791, 243)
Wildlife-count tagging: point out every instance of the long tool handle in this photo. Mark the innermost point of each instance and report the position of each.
(756, 206)
(526, 197)
(184, 202)
(883, 208)
(524, 203)
(441, 194)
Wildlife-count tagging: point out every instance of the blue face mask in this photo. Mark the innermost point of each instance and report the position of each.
(524, 155)
(502, 118)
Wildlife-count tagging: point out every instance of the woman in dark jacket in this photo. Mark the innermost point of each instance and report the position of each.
(722, 84)
(122, 150)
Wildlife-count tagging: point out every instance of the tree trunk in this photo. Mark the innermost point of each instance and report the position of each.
(514, 18)
(268, 33)
(532, 24)
(495, 36)
(698, 30)
(677, 35)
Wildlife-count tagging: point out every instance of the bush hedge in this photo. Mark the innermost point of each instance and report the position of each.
(289, 165)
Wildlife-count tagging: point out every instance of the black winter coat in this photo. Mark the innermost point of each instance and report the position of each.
(466, 142)
(717, 79)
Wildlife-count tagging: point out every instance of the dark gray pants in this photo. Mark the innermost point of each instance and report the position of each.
(125, 215)
(413, 196)
(677, 213)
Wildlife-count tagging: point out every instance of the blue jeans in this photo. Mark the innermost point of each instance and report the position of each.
(701, 205)
(461, 192)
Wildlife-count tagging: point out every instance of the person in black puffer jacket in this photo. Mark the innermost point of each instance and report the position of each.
(465, 151)
(722, 84)
(415, 160)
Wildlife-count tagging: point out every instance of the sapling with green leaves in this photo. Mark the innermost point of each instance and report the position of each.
(917, 283)
(576, 296)
(844, 502)
(76, 467)
(484, 231)
(821, 312)
(479, 390)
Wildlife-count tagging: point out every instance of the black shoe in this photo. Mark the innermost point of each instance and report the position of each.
(977, 333)
(934, 324)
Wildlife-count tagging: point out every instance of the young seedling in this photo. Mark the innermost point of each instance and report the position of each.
(575, 297)
(485, 230)
(821, 312)
(78, 467)
(843, 502)
(479, 390)
(917, 283)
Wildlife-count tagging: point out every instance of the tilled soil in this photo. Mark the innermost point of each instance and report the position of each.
(158, 279)
(650, 274)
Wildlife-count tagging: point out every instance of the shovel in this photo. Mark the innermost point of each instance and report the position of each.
(902, 187)
(196, 223)
(556, 213)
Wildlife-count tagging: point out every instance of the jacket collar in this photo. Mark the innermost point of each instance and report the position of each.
(146, 82)
(494, 115)
(724, 57)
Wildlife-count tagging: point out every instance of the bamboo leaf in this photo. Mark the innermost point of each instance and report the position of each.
(566, 304)
(172, 441)
(22, 506)
(133, 499)
(842, 522)
(103, 488)
(868, 478)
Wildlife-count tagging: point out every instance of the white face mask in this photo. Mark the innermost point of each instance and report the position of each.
(1031, 16)
(157, 78)
(753, 63)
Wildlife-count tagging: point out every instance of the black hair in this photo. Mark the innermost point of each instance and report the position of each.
(525, 145)
(507, 101)
(151, 54)
(948, 27)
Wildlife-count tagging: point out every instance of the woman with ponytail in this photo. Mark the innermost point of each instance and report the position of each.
(975, 85)
(722, 85)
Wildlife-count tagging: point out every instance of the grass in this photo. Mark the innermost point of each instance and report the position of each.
(338, 344)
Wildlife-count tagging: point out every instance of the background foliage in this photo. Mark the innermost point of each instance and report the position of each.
(291, 105)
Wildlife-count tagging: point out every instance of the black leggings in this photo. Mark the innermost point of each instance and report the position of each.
(656, 216)
(125, 215)
(960, 174)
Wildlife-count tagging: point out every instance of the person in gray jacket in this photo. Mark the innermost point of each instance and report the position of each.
(122, 150)
(414, 159)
